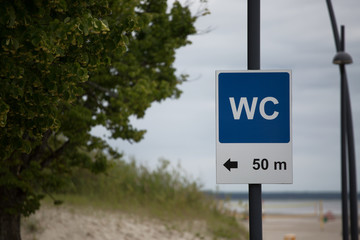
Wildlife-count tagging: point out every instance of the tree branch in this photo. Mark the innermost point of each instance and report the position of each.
(105, 90)
(39, 150)
(55, 154)
(36, 153)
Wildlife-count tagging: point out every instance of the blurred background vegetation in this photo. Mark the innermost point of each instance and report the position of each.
(165, 193)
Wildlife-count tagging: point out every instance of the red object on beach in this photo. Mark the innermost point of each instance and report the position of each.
(329, 216)
(290, 236)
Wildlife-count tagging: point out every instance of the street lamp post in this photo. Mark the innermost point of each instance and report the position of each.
(347, 135)
(341, 58)
(347, 139)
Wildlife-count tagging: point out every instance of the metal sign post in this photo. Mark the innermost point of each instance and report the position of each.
(255, 198)
(253, 125)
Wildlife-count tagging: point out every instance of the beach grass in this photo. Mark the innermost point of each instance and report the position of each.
(165, 193)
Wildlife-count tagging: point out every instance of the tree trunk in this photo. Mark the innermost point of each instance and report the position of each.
(9, 226)
(9, 203)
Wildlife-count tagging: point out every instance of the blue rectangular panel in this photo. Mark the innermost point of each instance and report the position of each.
(254, 107)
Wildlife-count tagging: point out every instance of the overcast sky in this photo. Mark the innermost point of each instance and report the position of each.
(295, 35)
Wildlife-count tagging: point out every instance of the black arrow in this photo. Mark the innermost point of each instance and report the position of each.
(229, 164)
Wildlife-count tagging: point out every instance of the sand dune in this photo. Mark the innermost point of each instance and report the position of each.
(65, 223)
(69, 223)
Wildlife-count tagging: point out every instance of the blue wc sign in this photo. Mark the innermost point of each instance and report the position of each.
(254, 107)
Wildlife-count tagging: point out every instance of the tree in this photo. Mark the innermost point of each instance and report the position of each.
(67, 66)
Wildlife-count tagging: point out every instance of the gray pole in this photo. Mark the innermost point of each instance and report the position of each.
(334, 25)
(344, 188)
(351, 150)
(344, 179)
(253, 34)
(344, 169)
(255, 201)
(352, 167)
(347, 138)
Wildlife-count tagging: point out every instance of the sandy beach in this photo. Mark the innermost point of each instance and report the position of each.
(60, 223)
(303, 227)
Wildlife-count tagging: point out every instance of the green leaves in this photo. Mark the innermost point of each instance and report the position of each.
(68, 66)
(45, 54)
(4, 109)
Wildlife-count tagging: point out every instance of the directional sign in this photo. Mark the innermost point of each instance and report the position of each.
(253, 127)
(229, 164)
